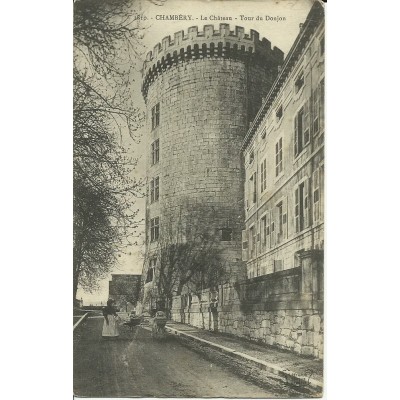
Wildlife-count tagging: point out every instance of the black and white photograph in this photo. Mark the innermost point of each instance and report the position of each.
(198, 198)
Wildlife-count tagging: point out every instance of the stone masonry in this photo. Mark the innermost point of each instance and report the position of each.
(208, 86)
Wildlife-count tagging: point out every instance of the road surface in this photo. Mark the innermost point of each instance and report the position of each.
(138, 366)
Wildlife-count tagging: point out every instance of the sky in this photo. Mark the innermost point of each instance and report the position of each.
(250, 14)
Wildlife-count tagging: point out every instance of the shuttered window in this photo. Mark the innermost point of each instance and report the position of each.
(302, 206)
(316, 196)
(253, 241)
(154, 229)
(155, 152)
(264, 232)
(278, 157)
(263, 176)
(245, 245)
(302, 128)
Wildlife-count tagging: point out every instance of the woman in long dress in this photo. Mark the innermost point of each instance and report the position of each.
(110, 325)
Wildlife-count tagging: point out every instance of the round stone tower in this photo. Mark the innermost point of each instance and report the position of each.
(202, 89)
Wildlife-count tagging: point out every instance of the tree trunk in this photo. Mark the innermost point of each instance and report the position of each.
(77, 257)
(75, 281)
(169, 306)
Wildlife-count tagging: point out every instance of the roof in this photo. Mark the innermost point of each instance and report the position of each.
(314, 18)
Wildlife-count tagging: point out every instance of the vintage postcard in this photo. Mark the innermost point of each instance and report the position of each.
(199, 198)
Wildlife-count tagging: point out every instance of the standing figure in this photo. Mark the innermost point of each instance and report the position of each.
(110, 326)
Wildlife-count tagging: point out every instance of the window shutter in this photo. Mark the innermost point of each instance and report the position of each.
(245, 245)
(306, 204)
(321, 191)
(157, 189)
(272, 228)
(316, 196)
(152, 191)
(306, 122)
(316, 110)
(264, 232)
(296, 141)
(297, 210)
(285, 218)
(322, 103)
(255, 188)
(254, 241)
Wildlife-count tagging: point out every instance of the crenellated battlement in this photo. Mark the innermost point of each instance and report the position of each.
(208, 43)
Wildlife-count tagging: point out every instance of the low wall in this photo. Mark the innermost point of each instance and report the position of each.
(283, 309)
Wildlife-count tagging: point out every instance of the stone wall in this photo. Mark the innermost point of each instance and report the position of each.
(283, 309)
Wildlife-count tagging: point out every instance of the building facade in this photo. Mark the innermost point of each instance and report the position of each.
(284, 162)
(280, 301)
(201, 90)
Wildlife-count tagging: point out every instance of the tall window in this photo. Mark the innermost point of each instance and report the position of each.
(318, 107)
(264, 231)
(155, 116)
(317, 200)
(278, 157)
(316, 101)
(316, 195)
(301, 129)
(154, 229)
(151, 270)
(253, 239)
(263, 175)
(154, 189)
(245, 245)
(272, 231)
(301, 207)
(322, 102)
(280, 218)
(155, 152)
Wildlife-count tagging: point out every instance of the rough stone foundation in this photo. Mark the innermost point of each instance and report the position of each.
(289, 320)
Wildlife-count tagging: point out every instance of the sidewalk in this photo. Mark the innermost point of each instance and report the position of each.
(294, 368)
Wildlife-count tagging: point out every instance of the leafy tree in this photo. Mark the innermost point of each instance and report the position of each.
(107, 36)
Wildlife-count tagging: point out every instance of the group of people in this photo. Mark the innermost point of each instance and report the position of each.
(111, 320)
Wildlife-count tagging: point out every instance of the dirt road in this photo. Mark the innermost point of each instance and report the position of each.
(137, 365)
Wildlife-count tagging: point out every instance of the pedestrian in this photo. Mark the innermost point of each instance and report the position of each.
(110, 325)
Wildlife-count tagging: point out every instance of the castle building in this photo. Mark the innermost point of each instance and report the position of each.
(236, 146)
(201, 90)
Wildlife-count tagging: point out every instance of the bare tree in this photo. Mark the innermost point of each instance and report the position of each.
(188, 256)
(107, 36)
